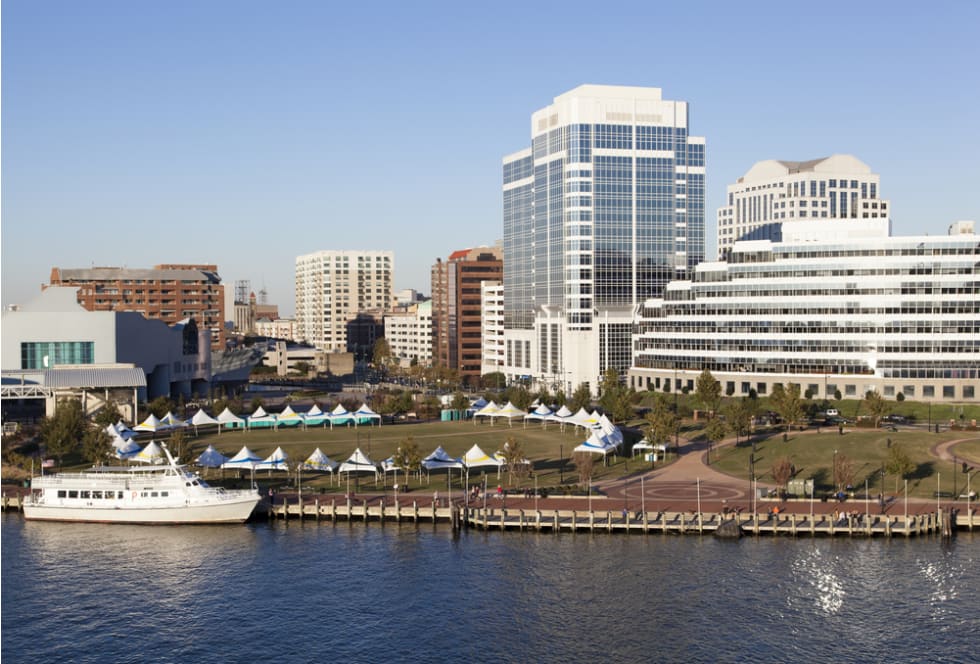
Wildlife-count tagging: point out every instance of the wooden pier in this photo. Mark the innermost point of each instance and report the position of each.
(597, 521)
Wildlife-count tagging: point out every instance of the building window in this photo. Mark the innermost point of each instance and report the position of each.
(949, 391)
(889, 390)
(968, 392)
(46, 354)
(850, 390)
(928, 391)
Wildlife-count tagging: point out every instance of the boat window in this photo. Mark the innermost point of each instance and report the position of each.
(73, 494)
(196, 483)
(86, 494)
(97, 495)
(154, 494)
(187, 483)
(119, 494)
(62, 493)
(144, 494)
(164, 494)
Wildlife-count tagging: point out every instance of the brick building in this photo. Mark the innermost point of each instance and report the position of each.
(170, 293)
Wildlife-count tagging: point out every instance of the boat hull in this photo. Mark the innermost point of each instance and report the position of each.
(226, 511)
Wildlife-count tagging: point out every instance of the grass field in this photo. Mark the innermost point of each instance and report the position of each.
(544, 447)
(813, 456)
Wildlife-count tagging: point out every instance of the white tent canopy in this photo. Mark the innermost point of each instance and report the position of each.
(584, 418)
(151, 424)
(275, 461)
(152, 453)
(358, 462)
(487, 411)
(261, 419)
(201, 419)
(476, 457)
(211, 458)
(171, 421)
(440, 459)
(365, 413)
(340, 415)
(596, 444)
(320, 461)
(315, 416)
(125, 448)
(509, 411)
(245, 458)
(288, 417)
(230, 420)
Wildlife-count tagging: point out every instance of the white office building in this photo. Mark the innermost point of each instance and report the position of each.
(332, 287)
(833, 307)
(492, 327)
(602, 210)
(773, 192)
(409, 334)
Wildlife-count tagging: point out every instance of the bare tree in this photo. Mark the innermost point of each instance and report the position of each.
(585, 464)
(782, 472)
(843, 471)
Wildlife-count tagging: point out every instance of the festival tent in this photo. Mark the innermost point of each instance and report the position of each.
(261, 419)
(359, 463)
(584, 419)
(171, 421)
(561, 416)
(125, 448)
(340, 415)
(487, 411)
(201, 419)
(596, 444)
(152, 453)
(288, 418)
(151, 424)
(275, 461)
(229, 420)
(477, 458)
(320, 461)
(314, 416)
(611, 431)
(124, 430)
(389, 466)
(510, 411)
(440, 459)
(542, 413)
(478, 404)
(364, 415)
(211, 458)
(245, 458)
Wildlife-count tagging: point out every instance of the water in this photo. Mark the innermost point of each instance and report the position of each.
(305, 592)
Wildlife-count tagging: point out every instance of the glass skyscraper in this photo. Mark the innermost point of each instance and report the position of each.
(604, 208)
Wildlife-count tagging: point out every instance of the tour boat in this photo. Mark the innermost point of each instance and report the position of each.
(148, 494)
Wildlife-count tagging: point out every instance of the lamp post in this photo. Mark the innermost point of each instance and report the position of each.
(561, 463)
(835, 471)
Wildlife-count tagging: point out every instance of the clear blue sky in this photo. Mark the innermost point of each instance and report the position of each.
(247, 133)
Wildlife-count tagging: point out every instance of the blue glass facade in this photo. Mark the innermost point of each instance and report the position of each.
(601, 220)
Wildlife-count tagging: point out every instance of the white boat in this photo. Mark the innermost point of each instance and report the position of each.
(147, 494)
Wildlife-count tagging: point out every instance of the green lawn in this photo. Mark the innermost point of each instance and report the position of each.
(544, 447)
(813, 456)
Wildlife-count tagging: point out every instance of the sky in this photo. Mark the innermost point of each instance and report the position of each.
(245, 134)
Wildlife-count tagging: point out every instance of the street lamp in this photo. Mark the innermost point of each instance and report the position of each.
(835, 471)
(561, 463)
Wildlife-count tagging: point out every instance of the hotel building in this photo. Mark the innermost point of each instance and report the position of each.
(837, 305)
(492, 326)
(772, 192)
(333, 287)
(602, 210)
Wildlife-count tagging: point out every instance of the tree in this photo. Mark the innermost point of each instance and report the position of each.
(610, 381)
(408, 457)
(560, 398)
(179, 446)
(161, 406)
(837, 396)
(302, 368)
(62, 431)
(875, 405)
(900, 397)
(782, 471)
(785, 400)
(585, 464)
(381, 355)
(707, 391)
(514, 458)
(494, 380)
(96, 445)
(738, 414)
(109, 414)
(459, 402)
(519, 396)
(580, 398)
(662, 421)
(714, 430)
(843, 471)
(899, 463)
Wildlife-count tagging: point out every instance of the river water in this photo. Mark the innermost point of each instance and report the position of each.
(307, 592)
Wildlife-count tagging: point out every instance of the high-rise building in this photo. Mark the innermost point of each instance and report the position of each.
(333, 287)
(773, 192)
(492, 326)
(456, 308)
(604, 208)
(171, 293)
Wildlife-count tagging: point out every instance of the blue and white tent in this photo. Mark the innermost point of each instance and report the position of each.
(211, 458)
(278, 460)
(358, 462)
(288, 418)
(245, 458)
(261, 420)
(315, 417)
(340, 415)
(364, 415)
(440, 459)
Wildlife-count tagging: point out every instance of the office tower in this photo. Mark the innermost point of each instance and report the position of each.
(773, 192)
(456, 308)
(604, 208)
(171, 293)
(333, 287)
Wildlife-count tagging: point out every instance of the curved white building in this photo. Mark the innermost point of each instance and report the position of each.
(848, 313)
(773, 192)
